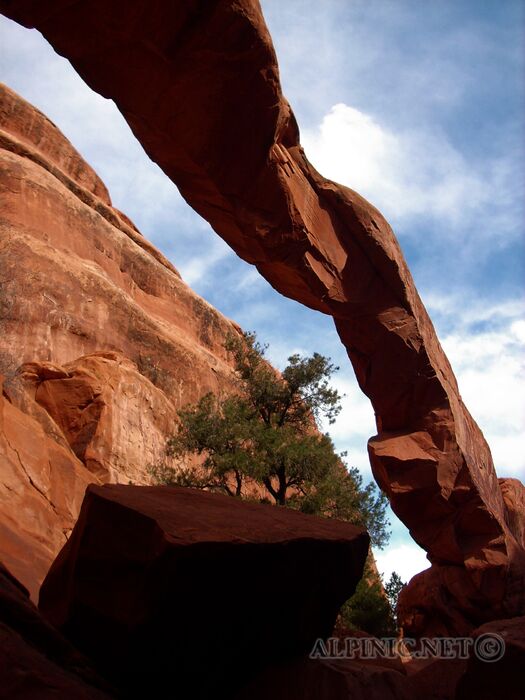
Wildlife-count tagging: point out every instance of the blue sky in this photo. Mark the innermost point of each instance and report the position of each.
(419, 107)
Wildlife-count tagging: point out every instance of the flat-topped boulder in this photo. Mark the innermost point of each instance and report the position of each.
(173, 587)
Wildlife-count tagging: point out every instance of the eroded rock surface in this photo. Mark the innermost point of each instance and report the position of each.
(114, 419)
(100, 341)
(170, 587)
(198, 83)
(42, 485)
(78, 278)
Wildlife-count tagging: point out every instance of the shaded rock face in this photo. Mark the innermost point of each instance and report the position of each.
(35, 660)
(196, 81)
(349, 679)
(310, 679)
(168, 587)
(504, 676)
(100, 341)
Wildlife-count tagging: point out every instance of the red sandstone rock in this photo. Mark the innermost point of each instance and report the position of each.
(328, 680)
(198, 83)
(438, 680)
(355, 679)
(95, 284)
(35, 660)
(514, 499)
(175, 586)
(115, 420)
(503, 678)
(441, 601)
(112, 340)
(42, 485)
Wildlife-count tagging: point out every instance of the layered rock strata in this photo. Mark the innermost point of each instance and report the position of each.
(199, 85)
(100, 341)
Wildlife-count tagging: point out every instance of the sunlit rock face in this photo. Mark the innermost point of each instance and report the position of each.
(101, 341)
(198, 83)
(42, 484)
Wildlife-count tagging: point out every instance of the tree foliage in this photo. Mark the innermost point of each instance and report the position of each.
(267, 434)
(369, 609)
(392, 589)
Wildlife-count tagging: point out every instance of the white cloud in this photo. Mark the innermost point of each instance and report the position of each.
(357, 416)
(414, 173)
(195, 268)
(354, 425)
(485, 343)
(490, 369)
(405, 559)
(249, 283)
(444, 310)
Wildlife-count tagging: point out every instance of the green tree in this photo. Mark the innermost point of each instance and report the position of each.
(369, 609)
(342, 495)
(392, 589)
(267, 434)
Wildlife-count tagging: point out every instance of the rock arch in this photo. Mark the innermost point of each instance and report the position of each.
(198, 83)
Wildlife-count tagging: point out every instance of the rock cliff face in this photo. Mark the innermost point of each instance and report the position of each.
(100, 343)
(199, 85)
(42, 484)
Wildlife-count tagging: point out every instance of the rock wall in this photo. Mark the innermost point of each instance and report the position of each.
(198, 83)
(42, 485)
(100, 341)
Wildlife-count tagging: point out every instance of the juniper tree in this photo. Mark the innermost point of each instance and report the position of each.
(267, 434)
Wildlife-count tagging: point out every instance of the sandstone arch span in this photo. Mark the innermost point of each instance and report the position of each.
(198, 83)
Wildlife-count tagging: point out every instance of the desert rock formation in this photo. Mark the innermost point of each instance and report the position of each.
(42, 485)
(198, 83)
(100, 341)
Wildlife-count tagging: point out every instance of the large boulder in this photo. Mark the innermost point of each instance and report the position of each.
(198, 83)
(165, 586)
(355, 679)
(441, 601)
(336, 679)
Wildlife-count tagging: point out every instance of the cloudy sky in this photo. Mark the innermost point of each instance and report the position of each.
(419, 107)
